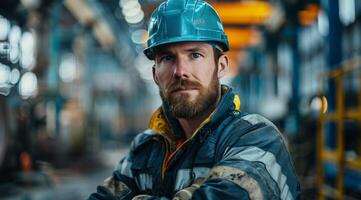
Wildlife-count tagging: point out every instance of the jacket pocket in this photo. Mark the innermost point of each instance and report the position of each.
(145, 167)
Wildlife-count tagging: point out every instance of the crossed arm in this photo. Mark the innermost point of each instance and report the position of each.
(262, 171)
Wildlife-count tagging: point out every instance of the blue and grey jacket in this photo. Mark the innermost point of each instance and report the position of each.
(232, 155)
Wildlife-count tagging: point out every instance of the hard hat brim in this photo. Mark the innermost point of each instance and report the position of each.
(149, 51)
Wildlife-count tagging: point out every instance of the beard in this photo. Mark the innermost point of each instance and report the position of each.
(181, 106)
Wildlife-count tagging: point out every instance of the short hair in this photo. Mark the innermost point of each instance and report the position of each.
(217, 53)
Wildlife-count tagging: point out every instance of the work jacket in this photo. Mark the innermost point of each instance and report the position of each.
(232, 155)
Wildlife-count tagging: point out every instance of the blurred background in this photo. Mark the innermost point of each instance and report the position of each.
(75, 88)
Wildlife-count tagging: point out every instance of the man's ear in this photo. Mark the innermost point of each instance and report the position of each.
(155, 78)
(222, 66)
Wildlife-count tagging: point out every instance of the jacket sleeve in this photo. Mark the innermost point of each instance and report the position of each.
(120, 185)
(256, 165)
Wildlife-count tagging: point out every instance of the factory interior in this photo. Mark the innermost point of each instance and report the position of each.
(75, 88)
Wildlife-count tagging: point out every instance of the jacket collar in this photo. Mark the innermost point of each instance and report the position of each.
(162, 123)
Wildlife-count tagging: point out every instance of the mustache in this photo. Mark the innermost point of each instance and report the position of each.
(182, 84)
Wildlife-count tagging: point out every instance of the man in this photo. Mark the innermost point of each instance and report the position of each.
(199, 144)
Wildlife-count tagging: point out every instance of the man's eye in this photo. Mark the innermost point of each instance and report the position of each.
(166, 58)
(195, 55)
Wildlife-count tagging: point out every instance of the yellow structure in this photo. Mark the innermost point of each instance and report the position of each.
(339, 116)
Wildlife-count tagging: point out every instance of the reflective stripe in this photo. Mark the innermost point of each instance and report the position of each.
(149, 132)
(256, 119)
(268, 159)
(124, 168)
(141, 197)
(238, 177)
(183, 176)
(141, 138)
(146, 181)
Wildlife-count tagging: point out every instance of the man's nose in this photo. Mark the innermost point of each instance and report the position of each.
(181, 68)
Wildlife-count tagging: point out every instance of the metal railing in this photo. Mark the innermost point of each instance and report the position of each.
(338, 116)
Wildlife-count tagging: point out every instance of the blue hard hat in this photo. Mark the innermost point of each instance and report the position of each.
(184, 20)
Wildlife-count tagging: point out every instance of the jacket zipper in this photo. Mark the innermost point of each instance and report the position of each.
(167, 147)
(166, 160)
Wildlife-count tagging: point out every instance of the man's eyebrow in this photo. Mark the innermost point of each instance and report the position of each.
(196, 49)
(163, 51)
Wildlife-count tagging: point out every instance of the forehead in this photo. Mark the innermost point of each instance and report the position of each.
(184, 46)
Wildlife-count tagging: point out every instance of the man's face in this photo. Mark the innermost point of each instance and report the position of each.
(188, 78)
